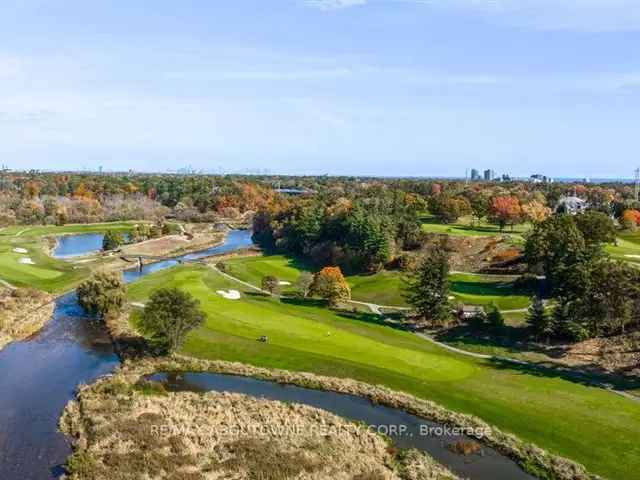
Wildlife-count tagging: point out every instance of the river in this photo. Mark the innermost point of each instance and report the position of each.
(40, 375)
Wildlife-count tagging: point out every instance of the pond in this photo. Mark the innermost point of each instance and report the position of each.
(77, 245)
(406, 430)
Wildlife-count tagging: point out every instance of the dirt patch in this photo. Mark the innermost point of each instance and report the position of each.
(484, 254)
(174, 244)
(22, 313)
(620, 354)
(127, 428)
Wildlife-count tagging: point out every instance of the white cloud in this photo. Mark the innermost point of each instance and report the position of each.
(576, 15)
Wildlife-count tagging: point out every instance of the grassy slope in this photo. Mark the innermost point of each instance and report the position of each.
(586, 424)
(465, 227)
(627, 248)
(47, 274)
(384, 288)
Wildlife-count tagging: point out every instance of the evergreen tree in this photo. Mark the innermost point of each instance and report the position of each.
(112, 240)
(427, 288)
(538, 319)
(494, 317)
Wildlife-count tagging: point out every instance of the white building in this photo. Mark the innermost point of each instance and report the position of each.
(571, 205)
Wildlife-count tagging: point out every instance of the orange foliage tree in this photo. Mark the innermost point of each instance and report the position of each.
(505, 210)
(631, 218)
(535, 211)
(329, 283)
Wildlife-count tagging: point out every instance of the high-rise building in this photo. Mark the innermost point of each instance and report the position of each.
(489, 175)
(475, 174)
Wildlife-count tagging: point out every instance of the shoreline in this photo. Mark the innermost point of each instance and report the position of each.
(322, 442)
(130, 347)
(116, 264)
(43, 314)
(531, 458)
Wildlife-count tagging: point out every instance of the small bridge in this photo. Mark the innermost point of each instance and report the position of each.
(142, 260)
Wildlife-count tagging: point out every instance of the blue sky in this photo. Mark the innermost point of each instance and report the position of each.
(376, 87)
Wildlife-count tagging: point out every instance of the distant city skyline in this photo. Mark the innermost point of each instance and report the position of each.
(340, 87)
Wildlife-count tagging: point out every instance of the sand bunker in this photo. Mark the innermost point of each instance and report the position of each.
(20, 250)
(284, 283)
(229, 294)
(26, 261)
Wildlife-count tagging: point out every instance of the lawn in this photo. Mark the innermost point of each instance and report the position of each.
(627, 248)
(384, 288)
(465, 226)
(589, 425)
(46, 273)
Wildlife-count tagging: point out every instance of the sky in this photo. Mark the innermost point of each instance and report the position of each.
(341, 87)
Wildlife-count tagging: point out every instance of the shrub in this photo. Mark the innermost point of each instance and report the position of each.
(169, 316)
(270, 284)
(103, 294)
(494, 317)
(112, 240)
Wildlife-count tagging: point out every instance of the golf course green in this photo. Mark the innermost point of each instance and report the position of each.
(385, 287)
(587, 424)
(39, 270)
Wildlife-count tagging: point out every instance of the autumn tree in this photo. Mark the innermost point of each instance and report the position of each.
(449, 209)
(330, 284)
(535, 211)
(630, 219)
(505, 210)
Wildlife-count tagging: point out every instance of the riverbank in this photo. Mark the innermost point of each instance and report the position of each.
(528, 456)
(123, 424)
(23, 312)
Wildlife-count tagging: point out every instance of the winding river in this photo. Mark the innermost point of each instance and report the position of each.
(40, 375)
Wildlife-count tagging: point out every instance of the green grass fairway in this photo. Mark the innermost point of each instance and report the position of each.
(384, 288)
(47, 273)
(587, 424)
(627, 248)
(466, 227)
(484, 289)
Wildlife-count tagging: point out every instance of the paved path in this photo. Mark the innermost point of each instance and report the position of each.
(376, 309)
(242, 282)
(517, 362)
